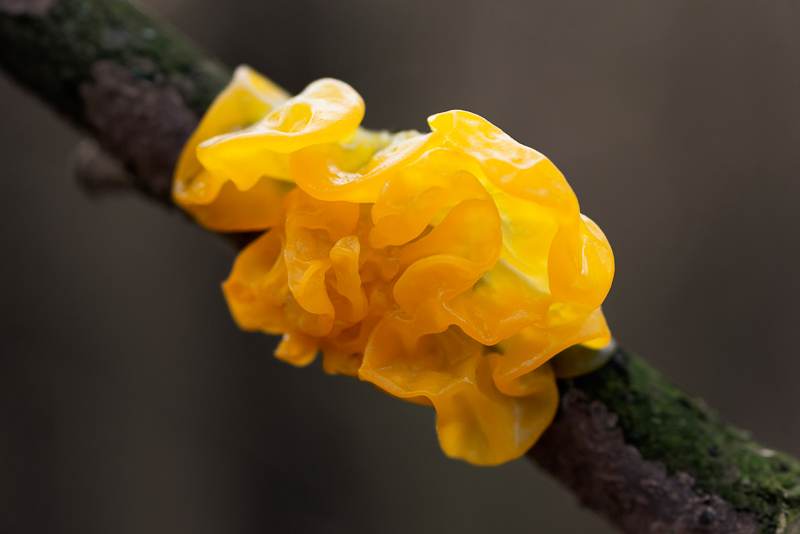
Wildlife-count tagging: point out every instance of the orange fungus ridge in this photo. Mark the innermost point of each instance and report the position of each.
(445, 268)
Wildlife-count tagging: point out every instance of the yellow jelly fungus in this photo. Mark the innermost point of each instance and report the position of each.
(445, 268)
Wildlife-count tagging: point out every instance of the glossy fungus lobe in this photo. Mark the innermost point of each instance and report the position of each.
(446, 268)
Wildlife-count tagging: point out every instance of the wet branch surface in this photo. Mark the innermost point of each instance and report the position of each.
(628, 443)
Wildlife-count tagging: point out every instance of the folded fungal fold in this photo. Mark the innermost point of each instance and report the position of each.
(445, 268)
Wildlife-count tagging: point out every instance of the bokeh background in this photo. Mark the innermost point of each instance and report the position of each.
(129, 401)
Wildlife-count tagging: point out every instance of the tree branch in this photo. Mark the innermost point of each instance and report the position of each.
(629, 444)
(127, 79)
(650, 458)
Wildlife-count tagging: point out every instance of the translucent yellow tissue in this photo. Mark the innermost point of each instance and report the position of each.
(445, 268)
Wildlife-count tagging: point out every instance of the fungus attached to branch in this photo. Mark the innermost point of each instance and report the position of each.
(445, 268)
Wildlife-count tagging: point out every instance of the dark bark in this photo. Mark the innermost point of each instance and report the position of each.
(650, 458)
(628, 443)
(124, 77)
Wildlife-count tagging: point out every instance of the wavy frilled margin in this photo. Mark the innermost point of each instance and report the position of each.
(631, 445)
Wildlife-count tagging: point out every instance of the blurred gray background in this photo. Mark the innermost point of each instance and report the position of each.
(129, 401)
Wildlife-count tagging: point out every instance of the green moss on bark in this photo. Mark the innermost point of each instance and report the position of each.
(667, 425)
(54, 49)
(53, 53)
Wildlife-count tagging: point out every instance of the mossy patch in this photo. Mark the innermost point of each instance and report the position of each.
(54, 52)
(667, 425)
